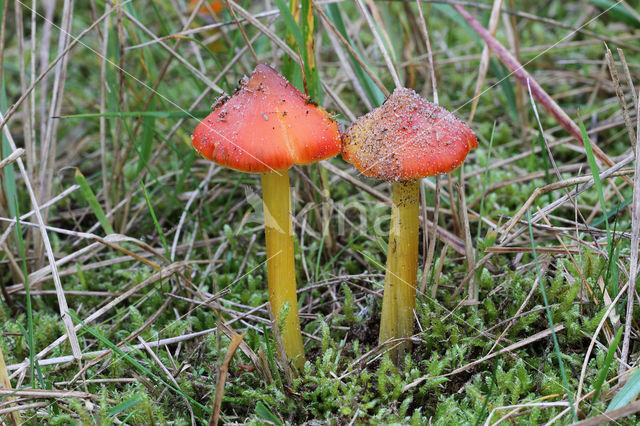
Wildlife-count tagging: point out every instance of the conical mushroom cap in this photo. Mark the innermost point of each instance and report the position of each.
(266, 125)
(406, 138)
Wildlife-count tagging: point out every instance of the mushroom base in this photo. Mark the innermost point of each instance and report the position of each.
(399, 300)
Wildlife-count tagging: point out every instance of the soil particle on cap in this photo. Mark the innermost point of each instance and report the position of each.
(241, 83)
(220, 101)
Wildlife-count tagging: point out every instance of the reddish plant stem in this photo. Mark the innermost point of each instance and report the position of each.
(527, 80)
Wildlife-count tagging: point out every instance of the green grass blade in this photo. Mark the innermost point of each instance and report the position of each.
(155, 220)
(29, 335)
(485, 178)
(607, 363)
(614, 211)
(448, 11)
(134, 363)
(9, 171)
(325, 231)
(502, 76)
(148, 130)
(291, 70)
(617, 11)
(314, 88)
(545, 162)
(263, 411)
(596, 174)
(91, 199)
(123, 406)
(628, 392)
(550, 319)
(199, 113)
(374, 93)
(271, 357)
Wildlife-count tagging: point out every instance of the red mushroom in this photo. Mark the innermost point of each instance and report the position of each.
(405, 139)
(266, 127)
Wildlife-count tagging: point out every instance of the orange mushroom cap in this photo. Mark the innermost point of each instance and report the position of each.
(407, 138)
(266, 125)
(216, 7)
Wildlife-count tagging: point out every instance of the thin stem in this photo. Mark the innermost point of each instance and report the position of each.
(281, 274)
(399, 298)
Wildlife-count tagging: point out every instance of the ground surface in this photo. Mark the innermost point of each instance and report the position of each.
(522, 312)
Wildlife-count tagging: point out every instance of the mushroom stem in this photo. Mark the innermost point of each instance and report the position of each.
(399, 298)
(281, 275)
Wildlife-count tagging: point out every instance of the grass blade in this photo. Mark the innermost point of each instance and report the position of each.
(198, 113)
(550, 319)
(373, 92)
(222, 378)
(134, 363)
(502, 75)
(155, 221)
(617, 11)
(30, 340)
(596, 175)
(91, 199)
(8, 170)
(607, 363)
(485, 178)
(291, 71)
(314, 89)
(627, 393)
(123, 406)
(148, 130)
(263, 411)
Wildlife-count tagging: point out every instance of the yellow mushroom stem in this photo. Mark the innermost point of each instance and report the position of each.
(399, 299)
(281, 273)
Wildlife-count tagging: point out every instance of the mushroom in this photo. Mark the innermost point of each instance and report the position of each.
(403, 140)
(266, 127)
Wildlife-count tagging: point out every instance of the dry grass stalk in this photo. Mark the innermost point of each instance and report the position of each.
(62, 301)
(23, 96)
(381, 46)
(49, 140)
(27, 124)
(103, 107)
(526, 79)
(429, 245)
(222, 377)
(347, 46)
(611, 416)
(587, 180)
(6, 384)
(94, 354)
(623, 103)
(486, 55)
(470, 253)
(432, 244)
(627, 74)
(510, 348)
(167, 373)
(438, 272)
(258, 360)
(162, 274)
(11, 157)
(188, 66)
(633, 265)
